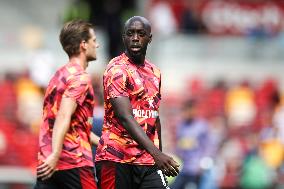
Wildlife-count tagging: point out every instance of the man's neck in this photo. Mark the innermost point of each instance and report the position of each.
(137, 61)
(79, 60)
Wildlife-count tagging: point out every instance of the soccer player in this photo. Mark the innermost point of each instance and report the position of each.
(129, 154)
(65, 157)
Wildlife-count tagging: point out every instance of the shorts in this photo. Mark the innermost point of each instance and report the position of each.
(112, 175)
(76, 178)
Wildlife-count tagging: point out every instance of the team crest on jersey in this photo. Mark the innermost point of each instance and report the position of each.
(150, 101)
(138, 81)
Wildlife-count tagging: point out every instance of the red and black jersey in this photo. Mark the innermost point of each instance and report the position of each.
(141, 84)
(70, 81)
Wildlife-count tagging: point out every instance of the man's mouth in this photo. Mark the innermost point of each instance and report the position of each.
(135, 48)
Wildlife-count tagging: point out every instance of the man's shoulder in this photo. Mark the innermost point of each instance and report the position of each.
(153, 67)
(116, 63)
(119, 60)
(72, 72)
(70, 68)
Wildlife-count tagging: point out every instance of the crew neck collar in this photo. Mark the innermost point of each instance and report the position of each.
(131, 62)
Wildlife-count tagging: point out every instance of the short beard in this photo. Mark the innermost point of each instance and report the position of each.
(137, 58)
(91, 58)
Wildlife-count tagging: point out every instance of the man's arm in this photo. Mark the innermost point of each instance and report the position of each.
(159, 130)
(123, 111)
(61, 126)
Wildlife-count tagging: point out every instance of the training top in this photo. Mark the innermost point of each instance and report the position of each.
(70, 81)
(141, 84)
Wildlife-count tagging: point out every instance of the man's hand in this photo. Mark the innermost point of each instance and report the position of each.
(167, 164)
(48, 167)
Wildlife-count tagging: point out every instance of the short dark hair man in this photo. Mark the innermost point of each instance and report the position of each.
(129, 152)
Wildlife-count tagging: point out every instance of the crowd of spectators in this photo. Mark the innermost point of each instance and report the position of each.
(227, 135)
(251, 18)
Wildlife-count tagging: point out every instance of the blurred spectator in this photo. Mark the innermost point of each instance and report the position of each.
(8, 100)
(278, 122)
(41, 67)
(271, 147)
(29, 97)
(162, 18)
(109, 14)
(266, 98)
(195, 87)
(240, 106)
(265, 93)
(260, 32)
(229, 162)
(256, 174)
(193, 147)
(40, 60)
(191, 21)
(216, 99)
(113, 25)
(8, 109)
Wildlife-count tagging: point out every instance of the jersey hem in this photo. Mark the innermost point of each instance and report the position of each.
(75, 166)
(117, 161)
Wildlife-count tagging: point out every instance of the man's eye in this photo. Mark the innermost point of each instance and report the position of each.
(129, 33)
(142, 34)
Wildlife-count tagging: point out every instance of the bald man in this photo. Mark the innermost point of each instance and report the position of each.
(129, 154)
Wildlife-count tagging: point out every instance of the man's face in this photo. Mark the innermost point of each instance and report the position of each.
(136, 39)
(91, 46)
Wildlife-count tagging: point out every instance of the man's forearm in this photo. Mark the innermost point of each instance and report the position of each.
(159, 131)
(60, 129)
(139, 135)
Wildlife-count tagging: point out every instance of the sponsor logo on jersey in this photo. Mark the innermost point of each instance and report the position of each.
(145, 113)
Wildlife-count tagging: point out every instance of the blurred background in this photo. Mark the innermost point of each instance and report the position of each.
(222, 69)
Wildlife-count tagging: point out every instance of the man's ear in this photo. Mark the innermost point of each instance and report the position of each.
(123, 37)
(150, 37)
(83, 44)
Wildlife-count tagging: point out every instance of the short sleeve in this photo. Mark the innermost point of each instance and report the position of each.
(77, 87)
(115, 83)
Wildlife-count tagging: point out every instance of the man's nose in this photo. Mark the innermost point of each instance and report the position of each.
(135, 36)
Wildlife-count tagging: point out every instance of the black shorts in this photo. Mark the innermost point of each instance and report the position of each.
(112, 175)
(77, 178)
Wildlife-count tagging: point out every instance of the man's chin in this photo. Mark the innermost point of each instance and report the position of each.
(92, 59)
(136, 53)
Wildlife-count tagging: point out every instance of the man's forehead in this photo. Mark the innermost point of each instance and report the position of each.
(138, 26)
(135, 24)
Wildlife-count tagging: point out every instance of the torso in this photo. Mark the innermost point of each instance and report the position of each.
(141, 84)
(70, 81)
